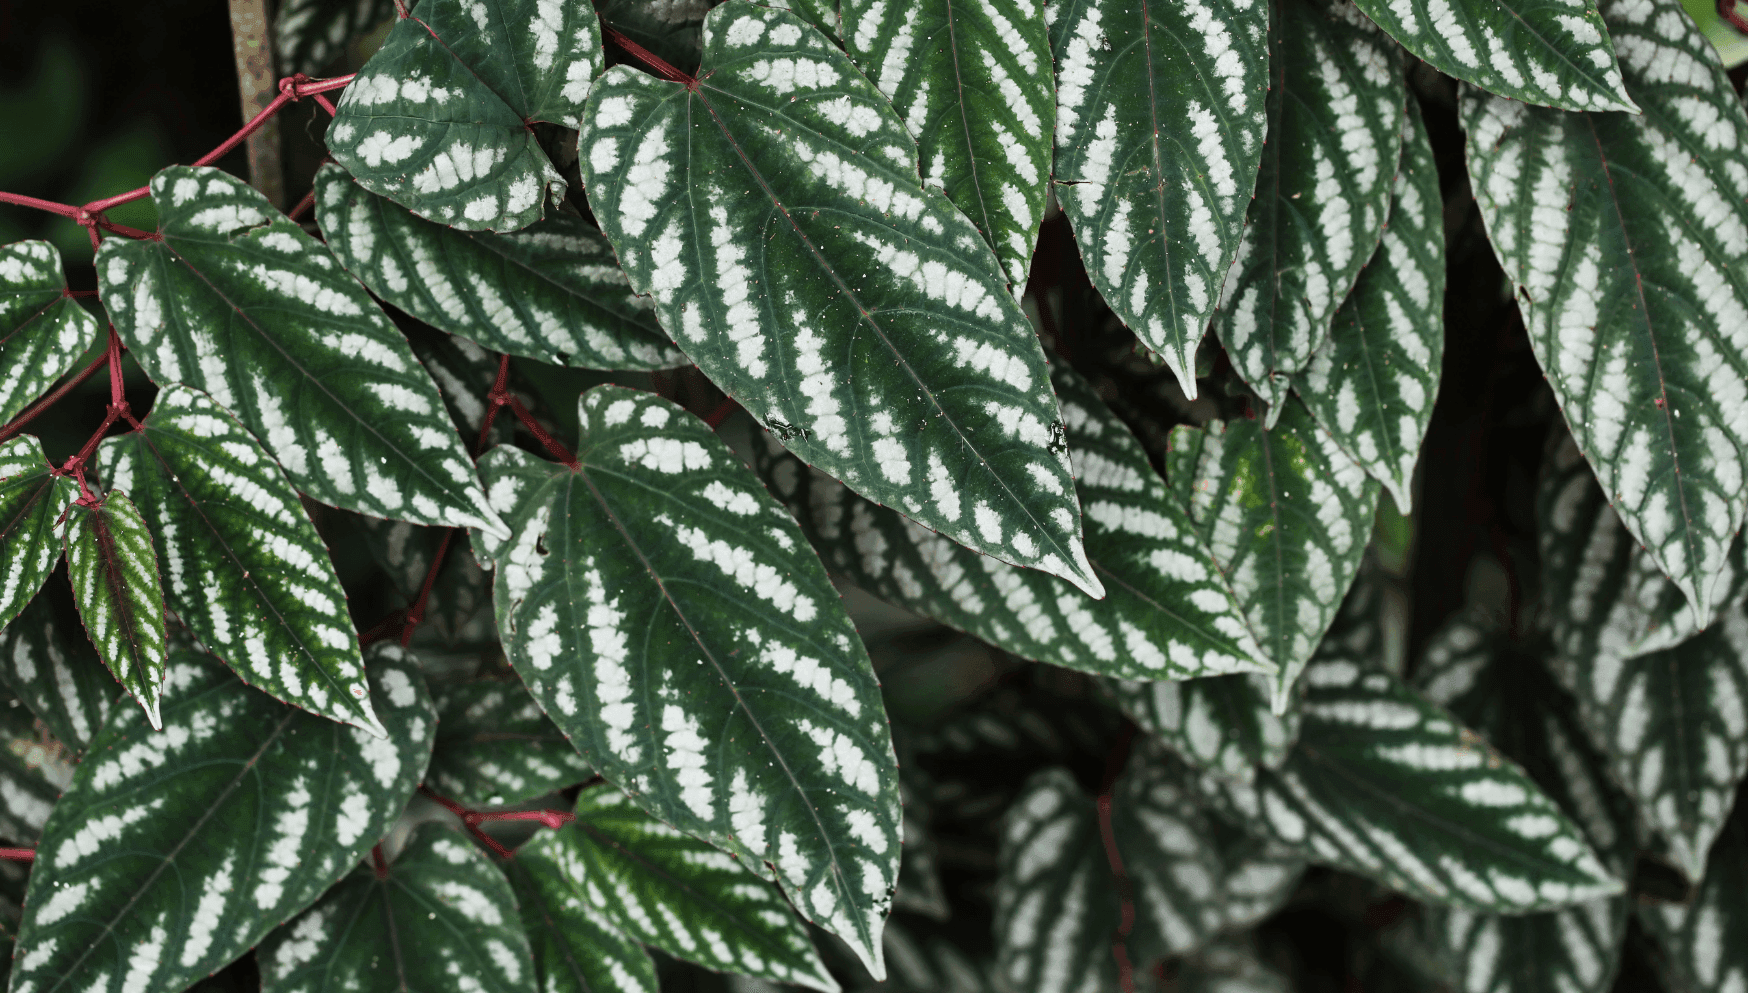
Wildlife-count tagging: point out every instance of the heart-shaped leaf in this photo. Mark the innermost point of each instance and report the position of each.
(577, 948)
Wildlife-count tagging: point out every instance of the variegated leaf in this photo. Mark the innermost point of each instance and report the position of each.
(495, 747)
(848, 307)
(822, 14)
(675, 893)
(1557, 54)
(114, 571)
(671, 618)
(551, 292)
(465, 374)
(1627, 239)
(174, 852)
(311, 34)
(972, 82)
(1701, 940)
(1287, 515)
(238, 302)
(243, 565)
(577, 948)
(42, 328)
(438, 119)
(32, 502)
(1223, 725)
(1373, 383)
(1158, 210)
(34, 769)
(1336, 102)
(1055, 902)
(1167, 611)
(671, 29)
(442, 917)
(1229, 966)
(53, 668)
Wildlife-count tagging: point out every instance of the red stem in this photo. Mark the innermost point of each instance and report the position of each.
(18, 854)
(654, 62)
(45, 403)
(1727, 11)
(308, 201)
(20, 200)
(1114, 761)
(492, 404)
(378, 863)
(410, 623)
(720, 414)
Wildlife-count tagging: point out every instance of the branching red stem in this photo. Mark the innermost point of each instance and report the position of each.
(654, 62)
(410, 622)
(308, 201)
(472, 819)
(20, 200)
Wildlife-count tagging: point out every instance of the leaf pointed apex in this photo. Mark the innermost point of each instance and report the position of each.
(1081, 574)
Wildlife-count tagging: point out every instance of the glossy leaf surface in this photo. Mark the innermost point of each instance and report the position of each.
(114, 571)
(42, 329)
(495, 747)
(577, 948)
(53, 668)
(32, 500)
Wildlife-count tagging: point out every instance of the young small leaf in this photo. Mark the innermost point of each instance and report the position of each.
(1222, 724)
(53, 668)
(551, 291)
(1626, 237)
(672, 620)
(32, 502)
(846, 306)
(1701, 940)
(437, 120)
(577, 948)
(42, 328)
(174, 852)
(114, 572)
(310, 34)
(243, 565)
(235, 300)
(1336, 101)
(495, 747)
(1158, 211)
(442, 918)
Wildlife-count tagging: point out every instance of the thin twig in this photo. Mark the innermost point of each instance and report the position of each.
(18, 854)
(654, 62)
(410, 622)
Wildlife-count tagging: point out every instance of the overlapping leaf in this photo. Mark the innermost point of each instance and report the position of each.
(671, 29)
(32, 500)
(52, 667)
(1701, 939)
(577, 948)
(42, 328)
(34, 769)
(114, 571)
(1336, 101)
(550, 292)
(243, 565)
(1224, 724)
(238, 302)
(437, 120)
(972, 82)
(1287, 515)
(1159, 132)
(1372, 384)
(1167, 611)
(441, 918)
(1054, 896)
(1627, 239)
(174, 852)
(494, 746)
(671, 618)
(675, 893)
(310, 34)
(1557, 54)
(848, 307)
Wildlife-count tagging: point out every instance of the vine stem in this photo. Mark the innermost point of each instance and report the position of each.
(378, 863)
(651, 60)
(472, 819)
(18, 854)
(1114, 762)
(118, 410)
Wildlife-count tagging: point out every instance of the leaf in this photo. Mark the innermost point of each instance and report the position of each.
(34, 769)
(1287, 515)
(577, 949)
(465, 374)
(1627, 239)
(1123, 69)
(850, 309)
(1166, 613)
(232, 290)
(1335, 102)
(174, 852)
(1373, 383)
(551, 291)
(32, 500)
(1229, 966)
(1700, 940)
(1222, 724)
(677, 894)
(495, 747)
(310, 34)
(42, 328)
(672, 29)
(114, 571)
(58, 676)
(243, 565)
(671, 619)
(438, 119)
(972, 82)
(1558, 54)
(1387, 785)
(1055, 910)
(442, 916)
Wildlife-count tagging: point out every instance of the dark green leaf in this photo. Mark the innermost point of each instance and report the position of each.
(1701, 941)
(577, 948)
(495, 747)
(32, 501)
(311, 34)
(114, 571)
(47, 661)
(672, 29)
(1223, 724)
(42, 329)
(1054, 899)
(34, 769)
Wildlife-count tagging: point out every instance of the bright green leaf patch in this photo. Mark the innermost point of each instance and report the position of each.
(114, 571)
(42, 329)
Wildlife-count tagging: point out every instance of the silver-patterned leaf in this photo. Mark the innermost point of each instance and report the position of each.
(577, 948)
(851, 309)
(672, 620)
(438, 119)
(238, 302)
(42, 328)
(675, 893)
(673, 30)
(114, 571)
(495, 747)
(1158, 211)
(1701, 940)
(173, 852)
(53, 668)
(34, 769)
(310, 34)
(32, 502)
(1336, 102)
(1229, 966)
(972, 82)
(1557, 54)
(1627, 239)
(1224, 724)
(1373, 383)
(551, 291)
(442, 917)
(1055, 902)
(243, 566)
